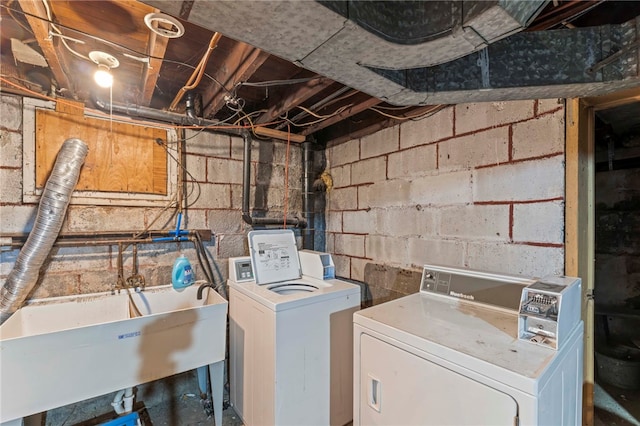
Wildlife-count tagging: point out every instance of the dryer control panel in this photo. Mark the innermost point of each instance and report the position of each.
(549, 310)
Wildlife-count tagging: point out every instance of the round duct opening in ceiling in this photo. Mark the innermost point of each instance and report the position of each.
(164, 25)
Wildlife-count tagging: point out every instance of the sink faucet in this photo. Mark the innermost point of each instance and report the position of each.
(201, 288)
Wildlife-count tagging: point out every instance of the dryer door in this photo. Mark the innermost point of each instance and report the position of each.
(398, 387)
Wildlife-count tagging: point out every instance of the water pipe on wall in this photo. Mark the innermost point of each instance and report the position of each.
(246, 191)
(191, 118)
(163, 116)
(51, 213)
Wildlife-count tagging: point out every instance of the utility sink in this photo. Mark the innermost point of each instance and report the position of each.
(62, 350)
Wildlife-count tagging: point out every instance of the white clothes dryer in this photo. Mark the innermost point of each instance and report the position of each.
(290, 335)
(472, 349)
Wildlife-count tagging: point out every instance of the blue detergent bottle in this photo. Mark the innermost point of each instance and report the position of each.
(182, 275)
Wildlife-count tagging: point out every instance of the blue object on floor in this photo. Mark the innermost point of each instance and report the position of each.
(131, 419)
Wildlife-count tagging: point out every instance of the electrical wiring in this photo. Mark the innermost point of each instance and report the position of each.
(193, 67)
(343, 97)
(270, 83)
(422, 115)
(322, 118)
(74, 104)
(114, 44)
(56, 29)
(338, 111)
(162, 59)
(398, 108)
(195, 184)
(429, 114)
(240, 106)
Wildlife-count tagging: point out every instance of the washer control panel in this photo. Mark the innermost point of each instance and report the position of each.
(240, 269)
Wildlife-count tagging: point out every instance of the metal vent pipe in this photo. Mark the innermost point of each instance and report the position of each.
(51, 213)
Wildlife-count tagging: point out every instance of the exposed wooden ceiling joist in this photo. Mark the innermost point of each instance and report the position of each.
(239, 65)
(340, 133)
(296, 97)
(36, 15)
(562, 13)
(348, 112)
(152, 68)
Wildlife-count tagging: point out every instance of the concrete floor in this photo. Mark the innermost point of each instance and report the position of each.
(176, 402)
(616, 406)
(171, 402)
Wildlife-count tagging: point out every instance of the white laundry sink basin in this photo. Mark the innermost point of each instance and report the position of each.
(62, 350)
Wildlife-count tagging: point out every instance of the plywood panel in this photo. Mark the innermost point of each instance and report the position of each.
(122, 157)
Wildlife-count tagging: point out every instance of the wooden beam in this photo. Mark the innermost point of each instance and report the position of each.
(580, 230)
(157, 47)
(278, 134)
(561, 13)
(40, 27)
(239, 65)
(614, 99)
(353, 110)
(294, 98)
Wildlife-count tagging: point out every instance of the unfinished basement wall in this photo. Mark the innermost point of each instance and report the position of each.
(617, 263)
(477, 185)
(214, 189)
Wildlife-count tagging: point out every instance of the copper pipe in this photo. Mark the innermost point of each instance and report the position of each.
(195, 78)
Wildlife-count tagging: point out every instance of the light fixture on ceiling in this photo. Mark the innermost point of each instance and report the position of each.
(105, 62)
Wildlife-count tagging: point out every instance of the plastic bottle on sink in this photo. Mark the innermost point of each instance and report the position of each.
(182, 275)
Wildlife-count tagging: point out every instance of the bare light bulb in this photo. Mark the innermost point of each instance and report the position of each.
(103, 76)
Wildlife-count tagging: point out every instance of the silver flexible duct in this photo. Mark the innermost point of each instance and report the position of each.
(51, 212)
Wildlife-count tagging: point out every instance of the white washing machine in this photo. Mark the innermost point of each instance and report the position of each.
(290, 335)
(471, 348)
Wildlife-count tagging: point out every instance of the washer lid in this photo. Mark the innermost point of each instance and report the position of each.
(274, 255)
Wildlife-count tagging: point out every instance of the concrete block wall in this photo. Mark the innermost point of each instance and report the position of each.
(477, 185)
(214, 188)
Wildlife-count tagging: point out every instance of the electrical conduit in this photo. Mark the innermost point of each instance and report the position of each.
(51, 213)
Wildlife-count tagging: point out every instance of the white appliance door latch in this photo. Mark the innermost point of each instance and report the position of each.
(374, 393)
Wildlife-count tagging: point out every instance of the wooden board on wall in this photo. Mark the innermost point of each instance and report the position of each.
(122, 157)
